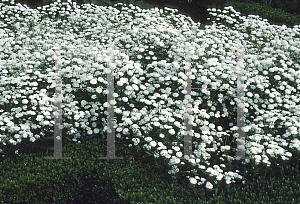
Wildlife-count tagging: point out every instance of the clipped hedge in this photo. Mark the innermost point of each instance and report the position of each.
(87, 179)
(273, 15)
(34, 179)
(138, 178)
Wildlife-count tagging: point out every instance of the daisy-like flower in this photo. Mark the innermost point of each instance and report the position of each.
(24, 101)
(76, 117)
(93, 81)
(179, 154)
(193, 180)
(164, 152)
(153, 143)
(161, 135)
(176, 148)
(156, 124)
(148, 139)
(209, 185)
(172, 132)
(125, 99)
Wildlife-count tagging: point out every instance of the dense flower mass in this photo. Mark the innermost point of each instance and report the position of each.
(150, 49)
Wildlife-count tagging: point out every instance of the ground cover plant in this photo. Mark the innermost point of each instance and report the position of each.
(150, 81)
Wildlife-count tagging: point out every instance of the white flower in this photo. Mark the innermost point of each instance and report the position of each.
(129, 88)
(125, 131)
(136, 141)
(193, 180)
(76, 117)
(174, 160)
(219, 177)
(224, 148)
(177, 124)
(25, 101)
(130, 73)
(96, 130)
(172, 131)
(222, 165)
(176, 65)
(288, 91)
(175, 94)
(125, 99)
(201, 167)
(93, 81)
(164, 152)
(128, 121)
(179, 154)
(148, 139)
(160, 144)
(270, 151)
(197, 135)
(209, 185)
(249, 94)
(135, 87)
(156, 124)
(135, 126)
(161, 135)
(153, 143)
(32, 139)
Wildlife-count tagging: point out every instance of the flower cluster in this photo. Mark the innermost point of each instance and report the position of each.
(149, 60)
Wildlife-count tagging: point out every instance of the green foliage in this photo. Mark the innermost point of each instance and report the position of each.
(34, 179)
(274, 15)
(137, 178)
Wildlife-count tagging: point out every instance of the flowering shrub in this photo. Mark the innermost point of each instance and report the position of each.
(150, 79)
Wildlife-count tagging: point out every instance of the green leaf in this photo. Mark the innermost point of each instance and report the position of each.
(95, 2)
(143, 5)
(108, 2)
